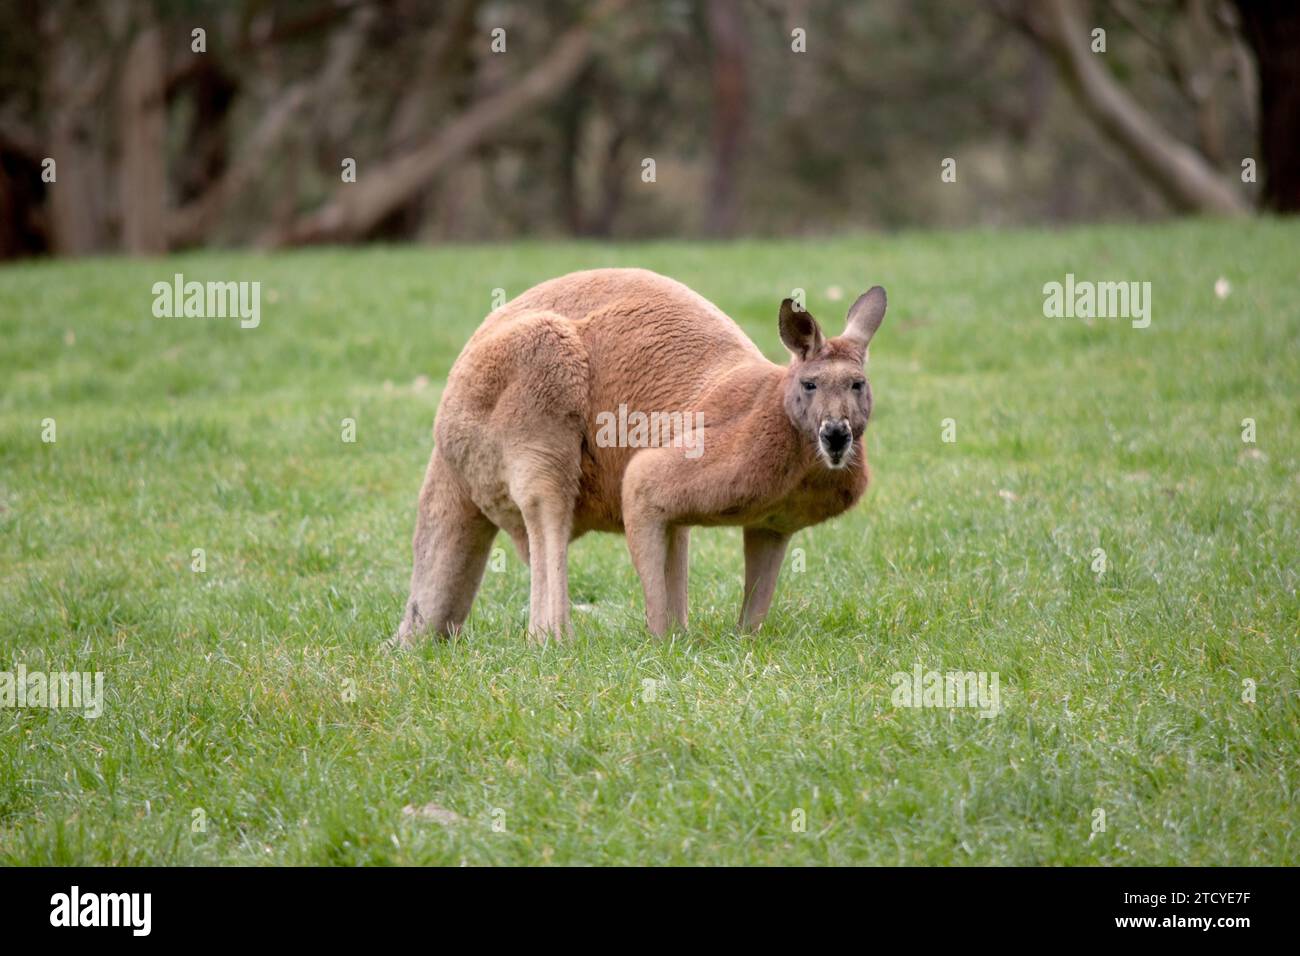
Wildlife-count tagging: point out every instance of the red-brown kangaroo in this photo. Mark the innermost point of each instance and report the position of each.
(525, 442)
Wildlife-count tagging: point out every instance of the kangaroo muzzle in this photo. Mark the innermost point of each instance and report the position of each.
(835, 439)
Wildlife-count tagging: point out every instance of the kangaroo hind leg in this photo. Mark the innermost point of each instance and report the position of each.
(541, 419)
(676, 572)
(545, 497)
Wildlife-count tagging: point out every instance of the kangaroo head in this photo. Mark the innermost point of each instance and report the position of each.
(827, 395)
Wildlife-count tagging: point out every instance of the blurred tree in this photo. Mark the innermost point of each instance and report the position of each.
(77, 69)
(729, 49)
(142, 177)
(1272, 27)
(1186, 177)
(356, 209)
(159, 146)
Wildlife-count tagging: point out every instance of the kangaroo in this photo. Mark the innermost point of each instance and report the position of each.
(522, 443)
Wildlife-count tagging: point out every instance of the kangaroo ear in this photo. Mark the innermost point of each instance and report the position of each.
(865, 316)
(799, 331)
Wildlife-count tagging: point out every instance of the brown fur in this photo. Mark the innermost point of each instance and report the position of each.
(516, 449)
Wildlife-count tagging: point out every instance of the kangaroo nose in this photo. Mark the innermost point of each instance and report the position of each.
(837, 436)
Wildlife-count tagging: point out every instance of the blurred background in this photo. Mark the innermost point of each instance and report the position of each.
(143, 126)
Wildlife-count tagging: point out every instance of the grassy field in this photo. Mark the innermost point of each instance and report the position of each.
(255, 691)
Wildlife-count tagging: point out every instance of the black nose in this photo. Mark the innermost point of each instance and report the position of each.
(837, 438)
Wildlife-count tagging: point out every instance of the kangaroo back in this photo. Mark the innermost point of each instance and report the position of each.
(652, 343)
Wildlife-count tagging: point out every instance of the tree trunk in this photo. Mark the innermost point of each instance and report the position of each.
(23, 229)
(730, 54)
(571, 115)
(74, 79)
(203, 156)
(142, 176)
(1272, 28)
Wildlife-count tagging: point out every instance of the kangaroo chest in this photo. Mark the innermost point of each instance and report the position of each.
(811, 502)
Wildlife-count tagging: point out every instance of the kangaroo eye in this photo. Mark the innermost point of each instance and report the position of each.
(808, 386)
(857, 386)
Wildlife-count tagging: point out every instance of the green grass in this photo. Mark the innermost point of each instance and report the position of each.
(227, 690)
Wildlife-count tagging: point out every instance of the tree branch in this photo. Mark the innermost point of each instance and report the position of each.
(191, 222)
(1181, 174)
(357, 208)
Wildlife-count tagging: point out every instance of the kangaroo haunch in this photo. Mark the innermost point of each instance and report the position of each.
(519, 443)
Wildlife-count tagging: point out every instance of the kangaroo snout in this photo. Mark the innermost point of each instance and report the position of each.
(835, 437)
